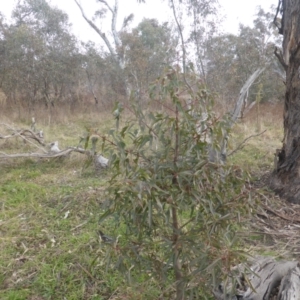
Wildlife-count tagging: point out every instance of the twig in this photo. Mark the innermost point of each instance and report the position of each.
(280, 215)
(79, 226)
(240, 146)
(113, 293)
(88, 273)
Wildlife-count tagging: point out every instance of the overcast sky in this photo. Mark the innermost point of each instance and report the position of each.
(236, 11)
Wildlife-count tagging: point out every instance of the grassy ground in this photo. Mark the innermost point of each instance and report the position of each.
(264, 133)
(49, 211)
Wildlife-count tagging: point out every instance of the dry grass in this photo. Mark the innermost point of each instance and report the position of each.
(257, 155)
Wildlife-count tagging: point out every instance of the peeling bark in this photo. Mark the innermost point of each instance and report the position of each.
(268, 279)
(221, 155)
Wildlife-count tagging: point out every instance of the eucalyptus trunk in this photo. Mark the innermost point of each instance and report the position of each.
(286, 174)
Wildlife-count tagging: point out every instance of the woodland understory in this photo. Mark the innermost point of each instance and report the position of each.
(270, 231)
(159, 163)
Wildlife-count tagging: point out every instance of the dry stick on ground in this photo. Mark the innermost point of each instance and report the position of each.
(48, 155)
(28, 135)
(241, 145)
(282, 216)
(288, 218)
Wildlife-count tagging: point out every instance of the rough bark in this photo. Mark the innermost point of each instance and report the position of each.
(286, 174)
(290, 285)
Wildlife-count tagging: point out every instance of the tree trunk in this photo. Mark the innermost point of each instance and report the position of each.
(286, 175)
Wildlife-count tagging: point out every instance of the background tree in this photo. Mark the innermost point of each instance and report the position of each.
(41, 61)
(205, 24)
(113, 45)
(201, 28)
(147, 50)
(231, 59)
(94, 65)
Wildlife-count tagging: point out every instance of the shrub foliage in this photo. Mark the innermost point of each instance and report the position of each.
(176, 210)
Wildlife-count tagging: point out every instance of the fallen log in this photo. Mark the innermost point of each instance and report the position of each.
(50, 154)
(290, 285)
(48, 151)
(266, 279)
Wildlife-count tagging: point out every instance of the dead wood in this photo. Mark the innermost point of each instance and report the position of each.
(266, 279)
(288, 218)
(61, 153)
(290, 285)
(221, 155)
(46, 150)
(25, 134)
(237, 111)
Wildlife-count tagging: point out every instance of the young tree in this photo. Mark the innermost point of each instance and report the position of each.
(285, 177)
(176, 208)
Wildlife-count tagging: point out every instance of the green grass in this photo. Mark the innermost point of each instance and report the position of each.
(49, 235)
(49, 212)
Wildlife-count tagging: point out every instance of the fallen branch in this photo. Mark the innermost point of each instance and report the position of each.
(47, 155)
(49, 150)
(221, 155)
(288, 218)
(25, 134)
(265, 279)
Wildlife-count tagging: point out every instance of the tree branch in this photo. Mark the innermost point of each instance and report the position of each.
(100, 33)
(280, 58)
(220, 155)
(114, 12)
(276, 21)
(239, 104)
